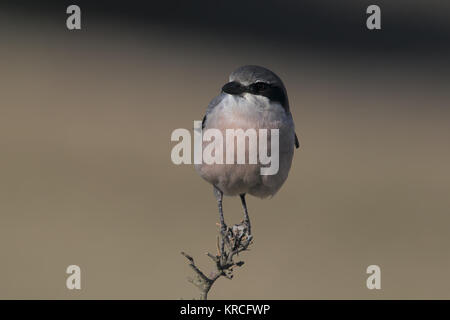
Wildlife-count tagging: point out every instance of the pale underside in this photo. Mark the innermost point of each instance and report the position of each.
(249, 112)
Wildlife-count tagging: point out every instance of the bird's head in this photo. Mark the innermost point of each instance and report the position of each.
(258, 81)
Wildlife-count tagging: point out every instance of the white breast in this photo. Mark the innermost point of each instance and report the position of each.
(250, 112)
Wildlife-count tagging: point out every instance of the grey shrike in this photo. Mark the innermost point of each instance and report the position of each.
(254, 98)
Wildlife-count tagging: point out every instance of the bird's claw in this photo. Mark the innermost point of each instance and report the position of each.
(237, 237)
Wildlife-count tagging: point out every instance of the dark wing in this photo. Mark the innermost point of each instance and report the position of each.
(297, 143)
(203, 121)
(211, 106)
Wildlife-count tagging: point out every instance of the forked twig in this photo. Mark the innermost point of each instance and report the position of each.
(229, 243)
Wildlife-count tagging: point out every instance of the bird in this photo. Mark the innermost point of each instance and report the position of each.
(254, 97)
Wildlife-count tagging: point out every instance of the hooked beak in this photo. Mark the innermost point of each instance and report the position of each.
(233, 88)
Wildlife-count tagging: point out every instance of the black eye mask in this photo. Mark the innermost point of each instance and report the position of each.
(273, 93)
(234, 88)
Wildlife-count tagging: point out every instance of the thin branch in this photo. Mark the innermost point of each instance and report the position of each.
(230, 243)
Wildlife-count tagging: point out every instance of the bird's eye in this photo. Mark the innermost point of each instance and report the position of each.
(259, 86)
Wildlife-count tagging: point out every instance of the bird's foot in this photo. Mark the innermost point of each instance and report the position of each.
(240, 236)
(235, 238)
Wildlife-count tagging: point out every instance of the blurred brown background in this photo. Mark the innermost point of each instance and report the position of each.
(87, 179)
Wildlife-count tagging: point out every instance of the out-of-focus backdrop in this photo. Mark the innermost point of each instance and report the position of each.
(86, 176)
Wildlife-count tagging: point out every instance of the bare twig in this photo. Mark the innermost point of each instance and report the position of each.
(230, 242)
